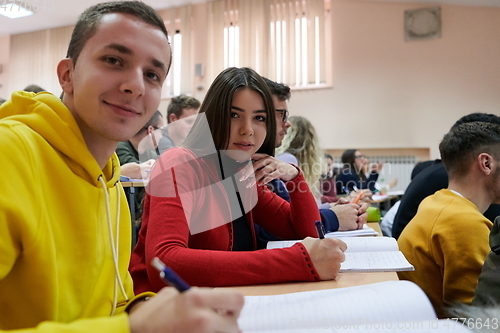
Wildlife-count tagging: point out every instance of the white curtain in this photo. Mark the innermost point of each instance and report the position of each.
(34, 57)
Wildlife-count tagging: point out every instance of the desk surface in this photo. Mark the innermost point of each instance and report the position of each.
(135, 183)
(342, 281)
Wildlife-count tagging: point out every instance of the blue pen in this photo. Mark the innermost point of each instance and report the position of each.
(320, 229)
(169, 276)
(346, 191)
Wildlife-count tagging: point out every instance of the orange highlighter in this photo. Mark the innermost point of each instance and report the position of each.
(360, 195)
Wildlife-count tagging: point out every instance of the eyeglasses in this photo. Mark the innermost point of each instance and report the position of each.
(284, 114)
(359, 156)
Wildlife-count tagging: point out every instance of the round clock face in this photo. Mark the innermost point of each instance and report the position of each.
(423, 23)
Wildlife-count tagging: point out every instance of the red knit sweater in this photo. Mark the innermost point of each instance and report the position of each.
(205, 258)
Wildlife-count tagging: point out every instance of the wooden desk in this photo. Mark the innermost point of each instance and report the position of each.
(383, 202)
(135, 183)
(375, 226)
(342, 281)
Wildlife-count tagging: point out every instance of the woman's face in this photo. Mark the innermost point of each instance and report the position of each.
(359, 160)
(248, 124)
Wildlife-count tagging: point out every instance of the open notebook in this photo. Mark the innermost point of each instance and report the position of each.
(366, 254)
(393, 306)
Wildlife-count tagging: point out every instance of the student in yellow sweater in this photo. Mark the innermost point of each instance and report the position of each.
(447, 240)
(65, 228)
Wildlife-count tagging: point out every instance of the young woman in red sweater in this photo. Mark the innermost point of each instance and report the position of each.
(204, 198)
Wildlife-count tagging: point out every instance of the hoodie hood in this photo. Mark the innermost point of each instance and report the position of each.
(45, 114)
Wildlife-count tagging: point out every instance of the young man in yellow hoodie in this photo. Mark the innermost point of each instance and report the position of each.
(64, 223)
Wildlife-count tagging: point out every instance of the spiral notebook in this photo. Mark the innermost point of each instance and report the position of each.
(366, 254)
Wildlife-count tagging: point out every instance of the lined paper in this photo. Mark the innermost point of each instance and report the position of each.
(361, 305)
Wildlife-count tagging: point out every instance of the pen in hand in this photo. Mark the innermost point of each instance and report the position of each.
(320, 229)
(169, 276)
(360, 195)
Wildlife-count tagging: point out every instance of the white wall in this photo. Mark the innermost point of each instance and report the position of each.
(388, 93)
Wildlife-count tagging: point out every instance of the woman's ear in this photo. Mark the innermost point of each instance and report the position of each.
(65, 75)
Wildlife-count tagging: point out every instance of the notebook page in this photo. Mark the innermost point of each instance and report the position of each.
(280, 244)
(354, 244)
(426, 326)
(385, 301)
(366, 231)
(370, 244)
(375, 262)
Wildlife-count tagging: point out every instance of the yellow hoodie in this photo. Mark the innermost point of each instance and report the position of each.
(57, 271)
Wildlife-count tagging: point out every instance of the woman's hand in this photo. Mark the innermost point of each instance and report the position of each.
(266, 168)
(326, 255)
(376, 167)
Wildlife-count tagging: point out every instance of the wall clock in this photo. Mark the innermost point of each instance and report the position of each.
(423, 23)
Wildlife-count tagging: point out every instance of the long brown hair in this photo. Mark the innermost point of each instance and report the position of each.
(216, 107)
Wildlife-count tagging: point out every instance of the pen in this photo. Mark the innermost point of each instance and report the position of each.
(355, 188)
(360, 195)
(346, 191)
(169, 276)
(320, 229)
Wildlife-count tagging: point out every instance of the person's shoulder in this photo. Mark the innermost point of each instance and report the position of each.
(457, 210)
(123, 144)
(429, 180)
(345, 172)
(178, 152)
(178, 155)
(15, 134)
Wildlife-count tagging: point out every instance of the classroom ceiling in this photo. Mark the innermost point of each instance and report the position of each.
(65, 12)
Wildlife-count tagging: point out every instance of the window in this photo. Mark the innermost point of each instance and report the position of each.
(285, 40)
(231, 46)
(297, 33)
(178, 23)
(172, 85)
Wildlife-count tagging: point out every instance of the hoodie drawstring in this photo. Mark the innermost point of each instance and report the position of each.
(114, 242)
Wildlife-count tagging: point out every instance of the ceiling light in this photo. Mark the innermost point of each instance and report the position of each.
(13, 11)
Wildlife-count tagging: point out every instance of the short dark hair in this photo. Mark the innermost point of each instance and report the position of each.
(153, 121)
(179, 103)
(478, 116)
(34, 88)
(216, 107)
(278, 89)
(89, 20)
(464, 142)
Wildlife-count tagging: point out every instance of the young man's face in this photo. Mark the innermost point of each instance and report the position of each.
(179, 127)
(281, 127)
(115, 86)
